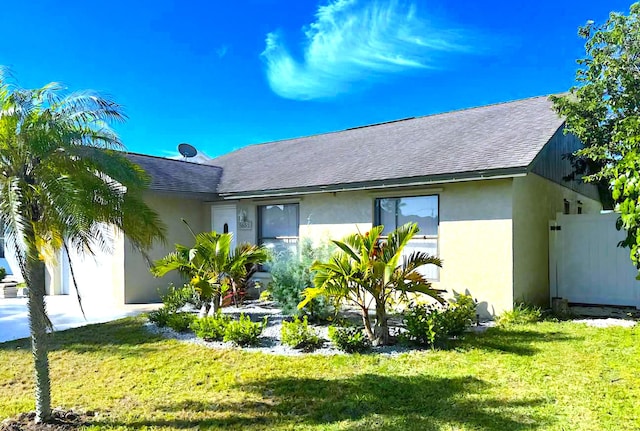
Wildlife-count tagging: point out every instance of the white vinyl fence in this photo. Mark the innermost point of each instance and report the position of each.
(585, 264)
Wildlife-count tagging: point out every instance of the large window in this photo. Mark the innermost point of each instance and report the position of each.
(423, 210)
(278, 227)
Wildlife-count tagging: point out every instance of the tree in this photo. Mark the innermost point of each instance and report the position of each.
(62, 184)
(211, 266)
(603, 111)
(369, 269)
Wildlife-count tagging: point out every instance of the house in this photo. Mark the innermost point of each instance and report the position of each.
(482, 184)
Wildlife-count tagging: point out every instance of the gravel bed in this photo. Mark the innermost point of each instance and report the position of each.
(607, 323)
(270, 339)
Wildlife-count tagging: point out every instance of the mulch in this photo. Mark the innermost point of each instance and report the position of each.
(62, 420)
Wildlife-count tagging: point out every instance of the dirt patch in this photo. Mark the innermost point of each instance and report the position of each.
(62, 420)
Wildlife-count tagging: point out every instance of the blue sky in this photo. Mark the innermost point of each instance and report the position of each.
(222, 75)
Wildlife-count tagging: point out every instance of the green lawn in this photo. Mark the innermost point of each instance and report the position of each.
(549, 376)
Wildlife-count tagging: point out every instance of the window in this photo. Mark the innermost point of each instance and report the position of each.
(422, 210)
(278, 227)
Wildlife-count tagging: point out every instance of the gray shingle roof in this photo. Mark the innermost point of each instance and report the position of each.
(170, 175)
(504, 136)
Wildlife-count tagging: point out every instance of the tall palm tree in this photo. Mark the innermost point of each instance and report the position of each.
(211, 265)
(369, 270)
(63, 184)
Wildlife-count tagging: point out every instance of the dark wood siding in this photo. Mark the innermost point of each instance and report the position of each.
(552, 163)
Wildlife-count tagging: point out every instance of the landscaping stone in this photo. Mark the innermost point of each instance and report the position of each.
(607, 323)
(271, 336)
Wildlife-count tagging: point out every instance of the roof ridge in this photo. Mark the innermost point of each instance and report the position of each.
(382, 123)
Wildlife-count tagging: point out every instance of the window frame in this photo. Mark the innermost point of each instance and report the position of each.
(377, 219)
(260, 238)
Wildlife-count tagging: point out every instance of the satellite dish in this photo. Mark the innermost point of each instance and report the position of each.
(187, 150)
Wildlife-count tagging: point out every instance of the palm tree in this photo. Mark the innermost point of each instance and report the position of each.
(211, 266)
(63, 184)
(369, 269)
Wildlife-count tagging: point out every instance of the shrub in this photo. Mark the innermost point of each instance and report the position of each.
(177, 297)
(349, 339)
(425, 325)
(244, 332)
(265, 296)
(160, 317)
(522, 314)
(291, 275)
(173, 300)
(460, 314)
(180, 322)
(211, 328)
(431, 325)
(3, 273)
(298, 335)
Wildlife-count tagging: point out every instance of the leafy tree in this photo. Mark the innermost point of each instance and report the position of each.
(370, 270)
(62, 184)
(211, 266)
(603, 110)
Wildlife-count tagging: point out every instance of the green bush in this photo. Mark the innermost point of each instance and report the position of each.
(349, 339)
(173, 300)
(244, 332)
(3, 273)
(425, 325)
(522, 314)
(431, 325)
(298, 335)
(177, 297)
(211, 328)
(265, 296)
(460, 314)
(180, 322)
(291, 274)
(160, 317)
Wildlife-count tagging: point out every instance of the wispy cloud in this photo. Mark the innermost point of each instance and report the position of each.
(352, 42)
(221, 51)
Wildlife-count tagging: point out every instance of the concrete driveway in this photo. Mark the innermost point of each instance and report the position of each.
(64, 313)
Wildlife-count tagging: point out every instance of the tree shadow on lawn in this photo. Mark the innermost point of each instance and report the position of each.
(518, 342)
(118, 336)
(361, 402)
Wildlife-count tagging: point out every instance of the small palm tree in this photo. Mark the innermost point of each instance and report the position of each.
(211, 266)
(63, 185)
(369, 269)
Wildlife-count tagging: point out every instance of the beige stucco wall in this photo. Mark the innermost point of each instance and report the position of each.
(99, 277)
(248, 235)
(140, 285)
(536, 201)
(475, 237)
(52, 277)
(323, 216)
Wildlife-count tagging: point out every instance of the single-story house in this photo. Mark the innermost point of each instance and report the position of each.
(482, 184)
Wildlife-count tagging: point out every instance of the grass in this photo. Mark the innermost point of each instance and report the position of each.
(546, 376)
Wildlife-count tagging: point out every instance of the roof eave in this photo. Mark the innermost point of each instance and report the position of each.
(203, 196)
(382, 184)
